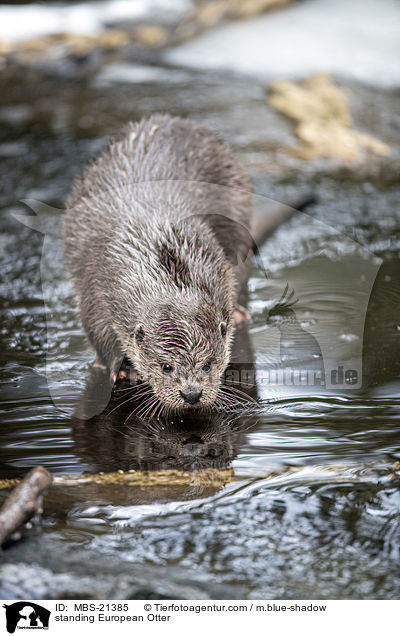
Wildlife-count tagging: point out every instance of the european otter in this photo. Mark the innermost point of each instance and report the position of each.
(151, 235)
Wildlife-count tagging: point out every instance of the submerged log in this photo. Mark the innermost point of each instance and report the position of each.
(23, 502)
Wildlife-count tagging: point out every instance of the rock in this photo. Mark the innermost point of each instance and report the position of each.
(323, 118)
(208, 14)
(249, 8)
(77, 44)
(151, 35)
(336, 141)
(315, 98)
(113, 39)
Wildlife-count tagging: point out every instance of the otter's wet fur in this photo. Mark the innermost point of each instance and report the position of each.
(148, 238)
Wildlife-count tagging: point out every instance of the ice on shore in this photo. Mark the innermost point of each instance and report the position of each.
(22, 22)
(353, 38)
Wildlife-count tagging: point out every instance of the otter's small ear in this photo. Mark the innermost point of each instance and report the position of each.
(139, 333)
(223, 328)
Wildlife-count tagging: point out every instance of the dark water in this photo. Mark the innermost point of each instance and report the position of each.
(312, 507)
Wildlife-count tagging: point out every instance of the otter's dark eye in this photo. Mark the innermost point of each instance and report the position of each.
(166, 368)
(207, 367)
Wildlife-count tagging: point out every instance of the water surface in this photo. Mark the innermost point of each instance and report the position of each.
(311, 508)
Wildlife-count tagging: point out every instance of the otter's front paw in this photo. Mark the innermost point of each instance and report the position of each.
(118, 377)
(123, 372)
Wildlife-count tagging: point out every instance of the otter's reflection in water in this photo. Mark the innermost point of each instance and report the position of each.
(111, 437)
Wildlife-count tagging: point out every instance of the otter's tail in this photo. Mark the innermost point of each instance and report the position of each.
(267, 220)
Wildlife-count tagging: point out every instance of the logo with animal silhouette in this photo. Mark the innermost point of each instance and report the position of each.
(26, 615)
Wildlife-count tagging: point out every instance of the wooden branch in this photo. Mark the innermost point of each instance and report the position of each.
(168, 477)
(23, 502)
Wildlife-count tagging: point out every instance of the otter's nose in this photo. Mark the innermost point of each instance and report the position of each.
(191, 396)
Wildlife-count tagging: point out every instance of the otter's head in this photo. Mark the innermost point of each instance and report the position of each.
(181, 350)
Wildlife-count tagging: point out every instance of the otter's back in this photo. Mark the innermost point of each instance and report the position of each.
(158, 149)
